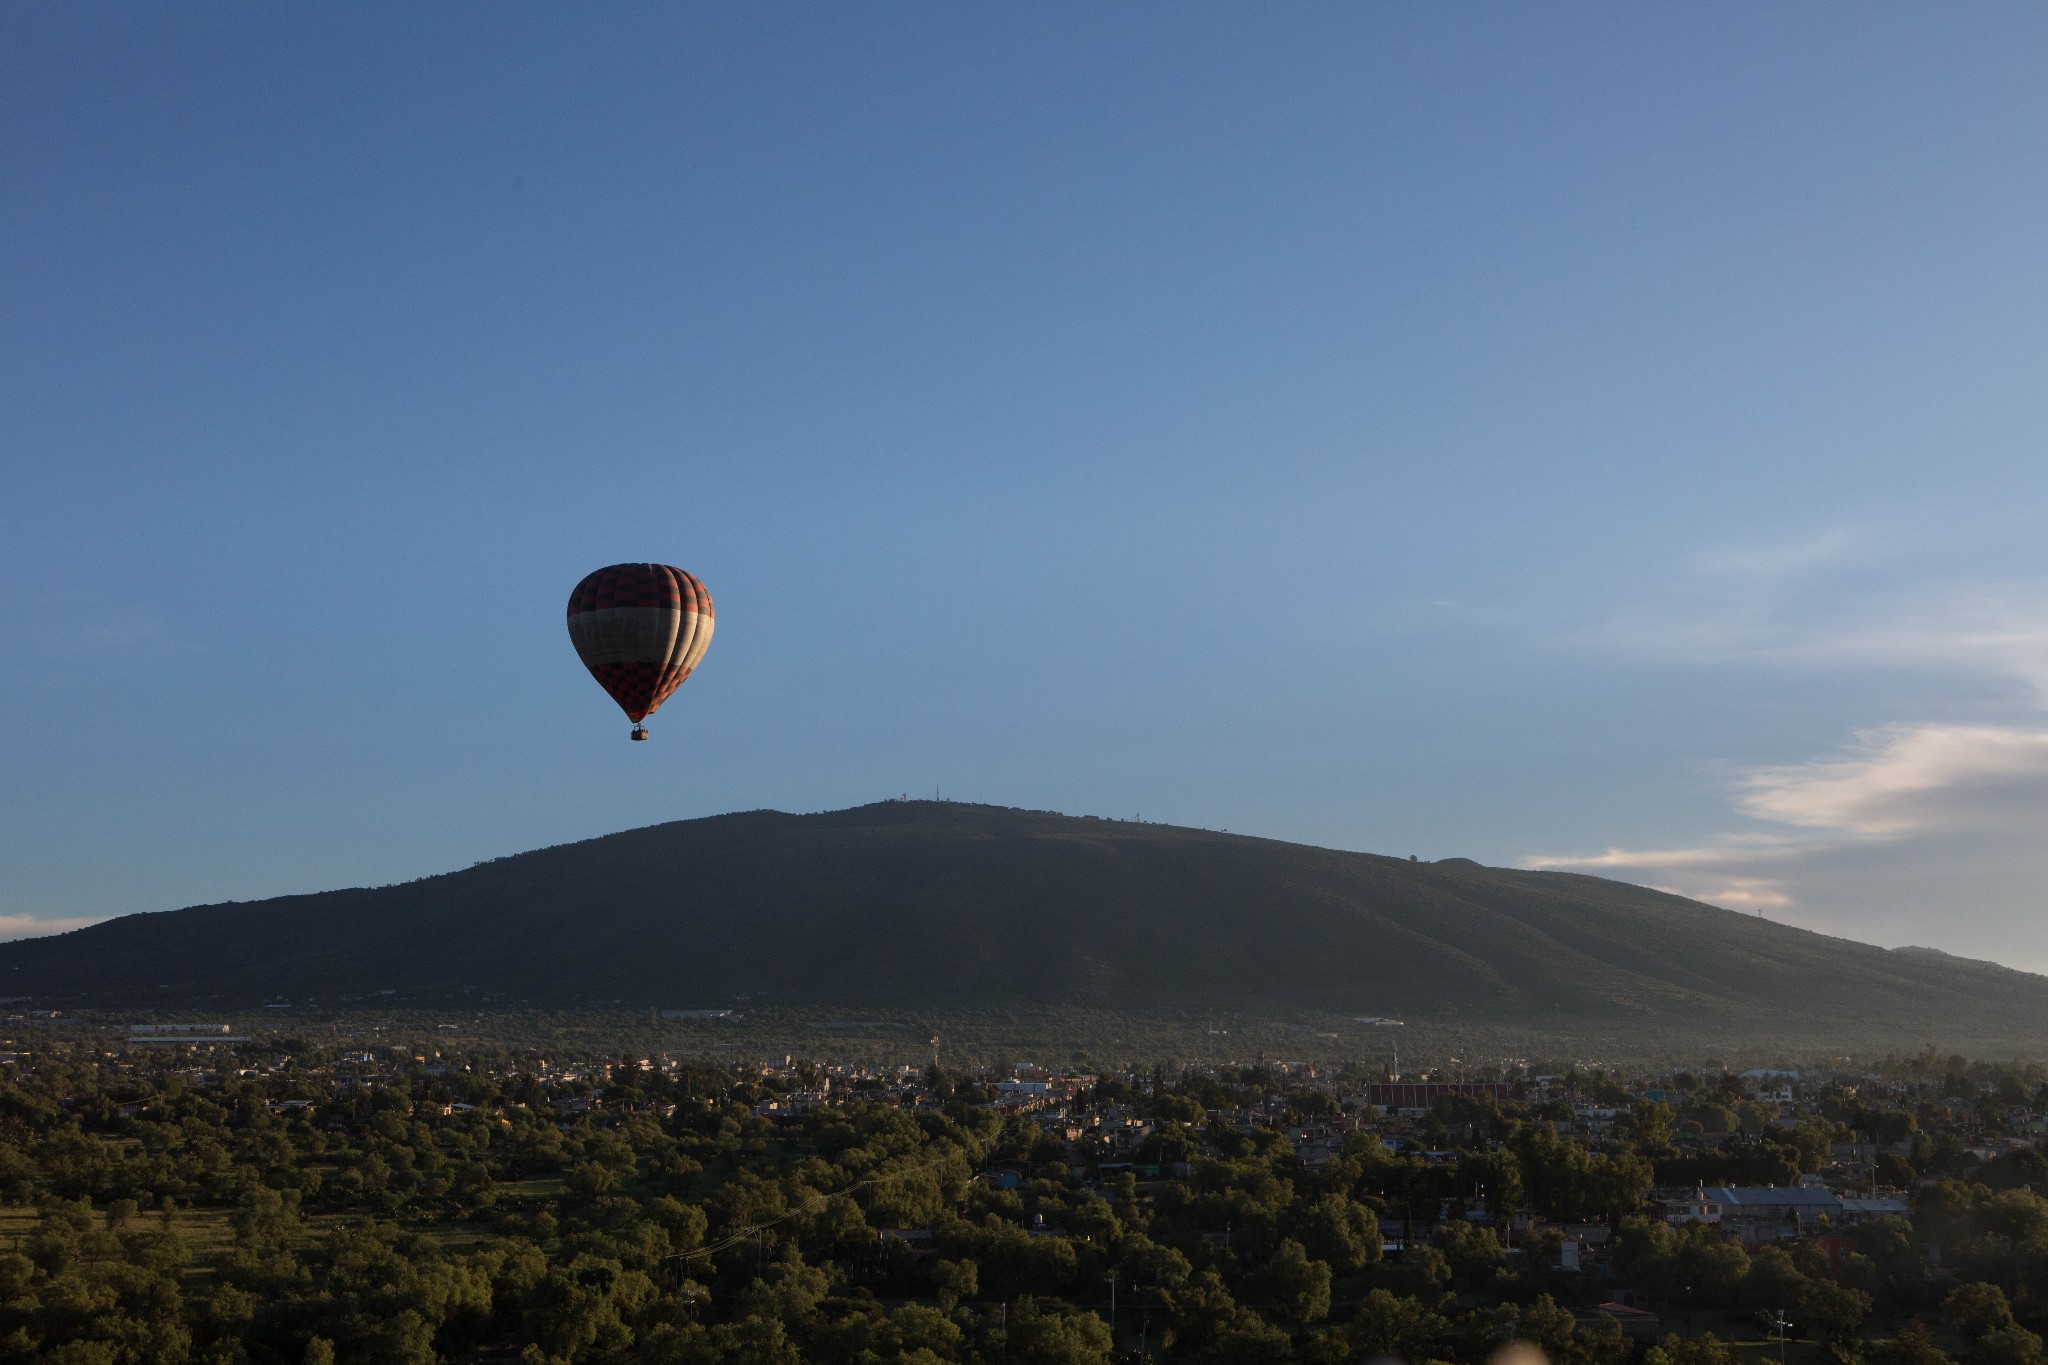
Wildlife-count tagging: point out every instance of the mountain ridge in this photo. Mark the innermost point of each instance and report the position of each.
(949, 905)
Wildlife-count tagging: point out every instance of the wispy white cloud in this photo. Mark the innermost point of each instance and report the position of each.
(1793, 605)
(1907, 779)
(1999, 629)
(1738, 893)
(1897, 783)
(1734, 851)
(1776, 561)
(34, 926)
(1789, 607)
(1724, 873)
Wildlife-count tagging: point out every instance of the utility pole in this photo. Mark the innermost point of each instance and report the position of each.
(1112, 1307)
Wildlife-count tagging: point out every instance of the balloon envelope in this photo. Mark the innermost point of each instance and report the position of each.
(640, 629)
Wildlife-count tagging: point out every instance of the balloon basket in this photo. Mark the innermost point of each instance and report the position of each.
(639, 732)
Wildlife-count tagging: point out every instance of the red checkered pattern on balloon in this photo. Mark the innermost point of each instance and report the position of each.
(641, 585)
(641, 687)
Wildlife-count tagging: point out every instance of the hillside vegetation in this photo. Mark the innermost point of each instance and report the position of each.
(950, 906)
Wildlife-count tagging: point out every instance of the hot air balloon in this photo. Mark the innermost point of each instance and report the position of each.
(640, 629)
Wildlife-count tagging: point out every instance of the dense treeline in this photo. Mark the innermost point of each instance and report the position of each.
(469, 1211)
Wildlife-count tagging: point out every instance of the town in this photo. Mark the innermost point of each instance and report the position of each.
(222, 1197)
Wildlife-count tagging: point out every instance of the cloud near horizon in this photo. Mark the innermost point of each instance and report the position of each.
(1741, 893)
(1891, 785)
(1895, 787)
(34, 926)
(1908, 779)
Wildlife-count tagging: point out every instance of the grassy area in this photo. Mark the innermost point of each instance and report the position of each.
(1754, 1343)
(206, 1232)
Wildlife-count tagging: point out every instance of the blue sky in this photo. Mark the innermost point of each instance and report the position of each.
(1583, 436)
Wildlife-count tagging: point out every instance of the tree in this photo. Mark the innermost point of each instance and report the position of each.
(2008, 1345)
(1548, 1327)
(1715, 1118)
(1708, 1266)
(1063, 1339)
(1324, 1346)
(572, 1309)
(406, 1339)
(1706, 1349)
(1484, 1331)
(1982, 1312)
(1202, 1309)
(955, 1280)
(83, 1353)
(914, 1327)
(1888, 1243)
(1497, 1176)
(1775, 1282)
(266, 1218)
(1339, 1230)
(1249, 1342)
(1425, 1270)
(789, 1289)
(1648, 1128)
(1645, 1254)
(1391, 1325)
(1978, 1308)
(1837, 1310)
(2021, 1168)
(1295, 1287)
(1911, 1346)
(1602, 1343)
(1472, 1250)
(1554, 1170)
(1617, 1184)
(753, 1341)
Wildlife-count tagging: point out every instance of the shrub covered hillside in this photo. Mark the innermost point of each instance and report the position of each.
(931, 905)
(466, 1212)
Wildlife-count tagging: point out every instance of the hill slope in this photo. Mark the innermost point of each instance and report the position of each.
(954, 906)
